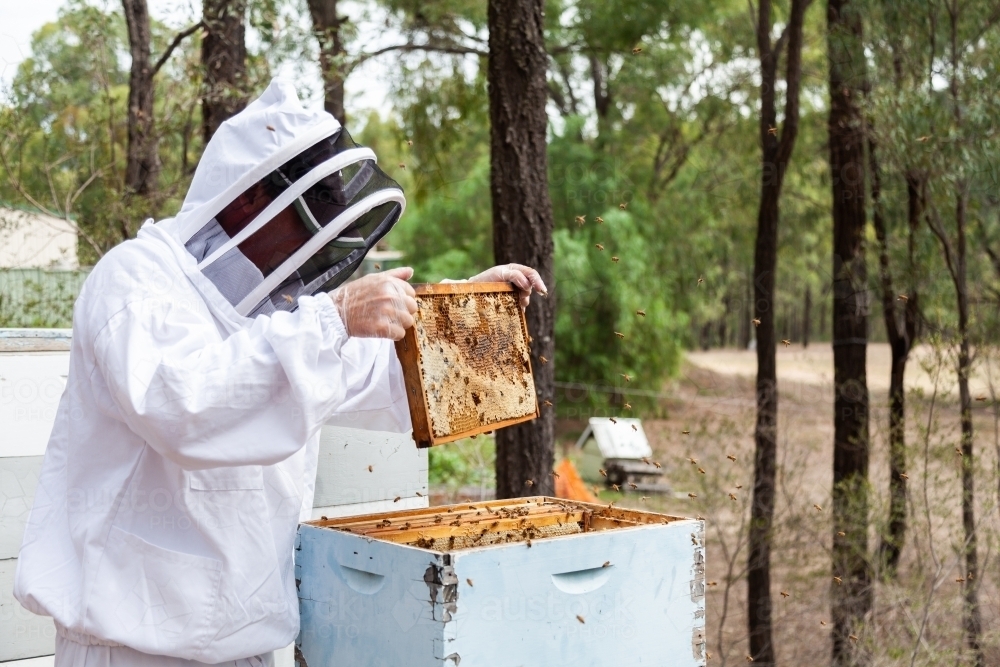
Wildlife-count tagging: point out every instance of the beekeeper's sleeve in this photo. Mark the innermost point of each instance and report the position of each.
(254, 398)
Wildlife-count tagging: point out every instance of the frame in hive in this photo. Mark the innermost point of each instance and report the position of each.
(466, 362)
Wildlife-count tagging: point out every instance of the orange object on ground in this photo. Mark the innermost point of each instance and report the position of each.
(570, 486)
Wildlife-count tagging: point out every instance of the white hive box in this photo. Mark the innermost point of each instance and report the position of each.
(597, 586)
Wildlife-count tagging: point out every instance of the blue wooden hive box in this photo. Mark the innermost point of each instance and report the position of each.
(531, 582)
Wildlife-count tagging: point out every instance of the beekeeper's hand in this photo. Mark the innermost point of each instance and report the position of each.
(379, 305)
(524, 277)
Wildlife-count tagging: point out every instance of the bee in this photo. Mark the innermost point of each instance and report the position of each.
(838, 580)
(604, 473)
(371, 468)
(554, 474)
(614, 259)
(981, 398)
(903, 298)
(692, 461)
(402, 166)
(903, 475)
(785, 594)
(469, 581)
(694, 539)
(732, 496)
(270, 127)
(924, 138)
(599, 246)
(547, 403)
(543, 360)
(641, 313)
(841, 533)
(692, 495)
(786, 342)
(396, 499)
(635, 428)
(773, 131)
(616, 488)
(749, 658)
(613, 420)
(686, 432)
(626, 377)
(713, 583)
(580, 219)
(528, 542)
(644, 498)
(419, 495)
(853, 638)
(731, 458)
(756, 321)
(626, 407)
(620, 334)
(960, 580)
(701, 470)
(633, 485)
(637, 50)
(958, 450)
(600, 220)
(580, 618)
(700, 280)
(822, 622)
(657, 464)
(409, 142)
(287, 297)
(606, 563)
(378, 267)
(529, 482)
(622, 206)
(739, 486)
(323, 518)
(818, 508)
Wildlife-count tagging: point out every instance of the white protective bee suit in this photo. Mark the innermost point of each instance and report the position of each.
(184, 449)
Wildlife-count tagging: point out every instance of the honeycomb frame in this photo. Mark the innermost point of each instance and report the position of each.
(466, 362)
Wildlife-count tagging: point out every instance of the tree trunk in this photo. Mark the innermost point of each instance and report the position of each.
(776, 154)
(900, 328)
(806, 317)
(142, 165)
(223, 57)
(326, 27)
(522, 220)
(852, 599)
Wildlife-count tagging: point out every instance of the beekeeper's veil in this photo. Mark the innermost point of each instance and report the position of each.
(284, 203)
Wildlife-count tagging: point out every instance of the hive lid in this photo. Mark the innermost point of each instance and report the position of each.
(619, 439)
(466, 362)
(493, 523)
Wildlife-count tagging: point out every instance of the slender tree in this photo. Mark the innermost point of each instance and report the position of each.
(142, 165)
(777, 148)
(900, 312)
(851, 596)
(223, 57)
(332, 56)
(522, 219)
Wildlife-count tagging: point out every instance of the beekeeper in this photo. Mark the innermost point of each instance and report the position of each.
(206, 355)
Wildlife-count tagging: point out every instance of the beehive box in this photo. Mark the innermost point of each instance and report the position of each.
(536, 582)
(466, 362)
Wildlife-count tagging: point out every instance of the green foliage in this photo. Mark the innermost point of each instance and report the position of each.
(465, 463)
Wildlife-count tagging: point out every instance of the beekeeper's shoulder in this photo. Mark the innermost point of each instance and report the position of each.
(136, 272)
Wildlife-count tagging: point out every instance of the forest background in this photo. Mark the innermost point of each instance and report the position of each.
(658, 115)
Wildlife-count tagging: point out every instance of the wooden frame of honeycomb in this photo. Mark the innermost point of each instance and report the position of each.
(466, 362)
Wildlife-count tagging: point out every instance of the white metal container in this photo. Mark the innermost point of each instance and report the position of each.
(627, 595)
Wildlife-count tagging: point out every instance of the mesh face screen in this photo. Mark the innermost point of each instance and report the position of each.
(242, 268)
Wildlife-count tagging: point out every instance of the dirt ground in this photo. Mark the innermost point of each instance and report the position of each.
(714, 399)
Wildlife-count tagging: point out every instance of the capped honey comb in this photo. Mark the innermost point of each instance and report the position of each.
(466, 362)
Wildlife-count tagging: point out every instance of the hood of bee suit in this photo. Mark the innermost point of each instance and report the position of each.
(283, 204)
